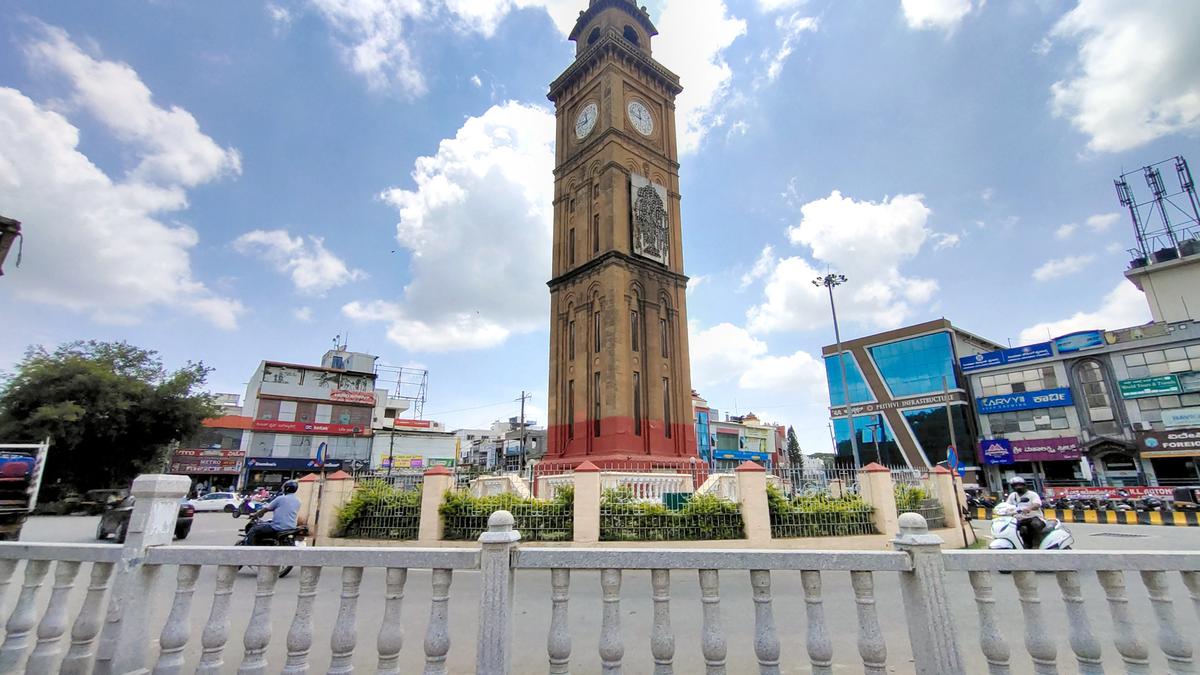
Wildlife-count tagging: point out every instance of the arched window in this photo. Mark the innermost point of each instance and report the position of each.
(630, 34)
(594, 35)
(1097, 399)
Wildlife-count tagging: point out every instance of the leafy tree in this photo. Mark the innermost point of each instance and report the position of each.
(795, 457)
(110, 409)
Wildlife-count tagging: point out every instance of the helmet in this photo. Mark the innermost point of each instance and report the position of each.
(1014, 482)
(290, 487)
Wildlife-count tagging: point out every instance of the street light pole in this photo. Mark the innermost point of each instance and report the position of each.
(829, 281)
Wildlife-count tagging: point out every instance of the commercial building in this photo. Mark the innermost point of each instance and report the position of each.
(299, 410)
(214, 457)
(724, 444)
(905, 386)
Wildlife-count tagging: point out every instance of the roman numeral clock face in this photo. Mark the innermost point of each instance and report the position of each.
(586, 121)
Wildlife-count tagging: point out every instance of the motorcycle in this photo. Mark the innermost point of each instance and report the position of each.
(1152, 503)
(248, 507)
(1006, 535)
(293, 537)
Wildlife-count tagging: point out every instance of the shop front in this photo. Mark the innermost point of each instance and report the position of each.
(271, 472)
(1045, 460)
(1173, 454)
(207, 467)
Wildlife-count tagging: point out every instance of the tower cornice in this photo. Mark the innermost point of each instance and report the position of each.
(597, 6)
(613, 44)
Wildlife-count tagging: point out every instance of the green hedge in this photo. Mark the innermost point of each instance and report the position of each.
(818, 516)
(702, 518)
(465, 517)
(910, 497)
(378, 510)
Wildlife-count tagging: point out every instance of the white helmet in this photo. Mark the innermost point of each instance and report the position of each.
(1016, 481)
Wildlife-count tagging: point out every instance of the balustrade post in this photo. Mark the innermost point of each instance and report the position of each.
(752, 497)
(876, 487)
(438, 480)
(587, 503)
(495, 594)
(931, 627)
(126, 631)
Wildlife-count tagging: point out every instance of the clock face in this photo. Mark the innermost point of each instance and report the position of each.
(586, 121)
(640, 117)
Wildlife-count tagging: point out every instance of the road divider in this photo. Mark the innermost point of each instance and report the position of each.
(1172, 518)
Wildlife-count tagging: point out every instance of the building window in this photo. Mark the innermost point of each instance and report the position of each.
(596, 233)
(571, 409)
(596, 404)
(630, 34)
(1016, 382)
(916, 365)
(572, 206)
(634, 324)
(1024, 421)
(1163, 362)
(663, 338)
(596, 330)
(571, 246)
(1096, 397)
(387, 412)
(667, 406)
(571, 340)
(637, 403)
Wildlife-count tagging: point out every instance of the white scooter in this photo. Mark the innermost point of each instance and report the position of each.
(1006, 536)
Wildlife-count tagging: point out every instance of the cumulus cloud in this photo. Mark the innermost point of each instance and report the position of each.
(303, 314)
(868, 242)
(1102, 221)
(373, 35)
(312, 268)
(93, 243)
(943, 240)
(1065, 231)
(943, 15)
(477, 227)
(1135, 74)
(1122, 307)
(762, 266)
(776, 5)
(1062, 267)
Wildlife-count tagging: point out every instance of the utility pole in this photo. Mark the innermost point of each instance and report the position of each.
(829, 281)
(524, 397)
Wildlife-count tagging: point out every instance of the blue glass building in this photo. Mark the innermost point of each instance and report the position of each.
(899, 384)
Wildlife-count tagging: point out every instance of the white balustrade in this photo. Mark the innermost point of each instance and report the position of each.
(391, 630)
(712, 635)
(1175, 647)
(871, 646)
(1038, 640)
(300, 633)
(178, 628)
(1083, 640)
(662, 639)
(437, 634)
(612, 649)
(86, 628)
(258, 630)
(46, 653)
(558, 641)
(991, 639)
(766, 640)
(820, 648)
(23, 618)
(1131, 648)
(216, 630)
(345, 636)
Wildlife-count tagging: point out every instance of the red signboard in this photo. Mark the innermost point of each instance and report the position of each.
(352, 396)
(209, 452)
(413, 424)
(308, 427)
(1090, 492)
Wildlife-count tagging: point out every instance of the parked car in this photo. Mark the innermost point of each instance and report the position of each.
(114, 521)
(217, 501)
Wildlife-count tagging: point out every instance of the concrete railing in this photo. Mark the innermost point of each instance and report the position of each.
(111, 629)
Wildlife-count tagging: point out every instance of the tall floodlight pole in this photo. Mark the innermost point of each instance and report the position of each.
(829, 281)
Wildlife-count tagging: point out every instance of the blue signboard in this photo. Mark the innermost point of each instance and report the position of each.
(290, 463)
(1025, 400)
(740, 455)
(996, 451)
(1006, 356)
(1086, 339)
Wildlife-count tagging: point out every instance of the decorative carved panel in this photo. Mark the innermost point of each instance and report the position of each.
(651, 229)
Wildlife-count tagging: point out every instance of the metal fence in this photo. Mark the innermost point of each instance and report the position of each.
(820, 516)
(914, 493)
(700, 518)
(801, 482)
(381, 508)
(465, 517)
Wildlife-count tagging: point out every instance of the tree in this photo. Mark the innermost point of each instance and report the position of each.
(110, 409)
(795, 457)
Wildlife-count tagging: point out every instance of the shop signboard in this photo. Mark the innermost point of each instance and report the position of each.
(1170, 443)
(1025, 400)
(1181, 417)
(1002, 357)
(412, 424)
(352, 396)
(403, 462)
(925, 401)
(441, 461)
(995, 451)
(739, 455)
(307, 427)
(1047, 449)
(1163, 385)
(290, 463)
(1189, 382)
(1093, 492)
(1076, 342)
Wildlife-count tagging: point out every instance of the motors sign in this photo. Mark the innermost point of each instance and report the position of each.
(1172, 443)
(1025, 400)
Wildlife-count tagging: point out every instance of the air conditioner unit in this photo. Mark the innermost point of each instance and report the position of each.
(1142, 426)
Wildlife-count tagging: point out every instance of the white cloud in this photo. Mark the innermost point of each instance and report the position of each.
(1062, 267)
(868, 242)
(477, 226)
(93, 244)
(943, 15)
(694, 35)
(312, 267)
(1102, 221)
(171, 147)
(696, 281)
(792, 28)
(476, 81)
(1065, 231)
(776, 5)
(280, 16)
(303, 314)
(374, 40)
(1135, 76)
(988, 194)
(943, 240)
(762, 266)
(1124, 306)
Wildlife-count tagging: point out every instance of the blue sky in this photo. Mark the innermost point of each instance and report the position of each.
(231, 181)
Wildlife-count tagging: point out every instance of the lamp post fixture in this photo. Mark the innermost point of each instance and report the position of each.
(829, 281)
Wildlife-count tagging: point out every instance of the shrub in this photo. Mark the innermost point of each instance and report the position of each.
(702, 517)
(465, 517)
(818, 515)
(910, 497)
(401, 508)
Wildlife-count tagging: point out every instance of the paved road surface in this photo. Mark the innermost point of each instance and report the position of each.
(532, 609)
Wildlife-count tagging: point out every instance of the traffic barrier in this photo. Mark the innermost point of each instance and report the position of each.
(1170, 518)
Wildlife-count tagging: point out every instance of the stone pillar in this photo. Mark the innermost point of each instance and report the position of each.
(587, 503)
(126, 631)
(438, 481)
(947, 487)
(931, 627)
(328, 500)
(752, 495)
(876, 487)
(307, 494)
(494, 649)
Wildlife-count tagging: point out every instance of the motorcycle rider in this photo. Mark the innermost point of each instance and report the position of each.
(1029, 511)
(286, 508)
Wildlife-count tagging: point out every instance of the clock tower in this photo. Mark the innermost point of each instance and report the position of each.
(620, 381)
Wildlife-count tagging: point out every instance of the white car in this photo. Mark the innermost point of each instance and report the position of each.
(217, 501)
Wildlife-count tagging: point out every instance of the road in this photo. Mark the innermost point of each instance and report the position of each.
(532, 604)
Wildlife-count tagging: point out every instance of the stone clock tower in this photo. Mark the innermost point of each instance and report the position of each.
(620, 381)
